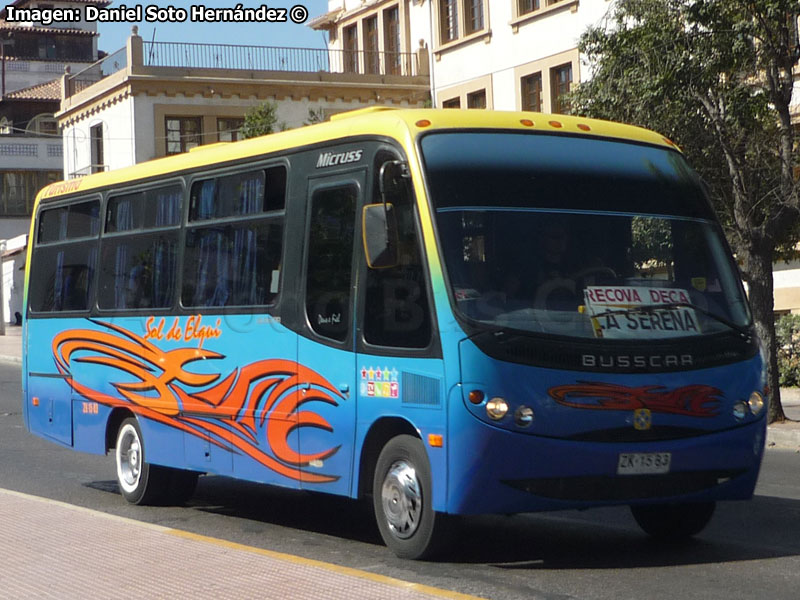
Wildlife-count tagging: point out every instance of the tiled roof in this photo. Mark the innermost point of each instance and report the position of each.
(62, 31)
(50, 90)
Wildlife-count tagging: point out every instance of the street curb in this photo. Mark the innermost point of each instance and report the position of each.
(781, 436)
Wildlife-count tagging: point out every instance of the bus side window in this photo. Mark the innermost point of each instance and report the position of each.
(396, 312)
(139, 266)
(235, 262)
(330, 261)
(67, 261)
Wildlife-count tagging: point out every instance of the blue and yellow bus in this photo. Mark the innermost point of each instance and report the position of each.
(450, 312)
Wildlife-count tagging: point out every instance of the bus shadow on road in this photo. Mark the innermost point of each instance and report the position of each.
(308, 511)
(607, 538)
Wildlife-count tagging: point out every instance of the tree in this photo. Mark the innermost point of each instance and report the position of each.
(716, 77)
(260, 120)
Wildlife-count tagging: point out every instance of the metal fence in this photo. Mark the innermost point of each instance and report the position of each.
(96, 71)
(273, 58)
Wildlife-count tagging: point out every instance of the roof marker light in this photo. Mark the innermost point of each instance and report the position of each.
(526, 122)
(423, 123)
(584, 127)
(556, 124)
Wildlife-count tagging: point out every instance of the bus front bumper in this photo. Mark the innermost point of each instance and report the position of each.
(507, 472)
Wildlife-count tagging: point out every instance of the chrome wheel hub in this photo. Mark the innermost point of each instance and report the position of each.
(401, 497)
(129, 458)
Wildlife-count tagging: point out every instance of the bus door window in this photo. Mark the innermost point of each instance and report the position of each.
(396, 312)
(330, 261)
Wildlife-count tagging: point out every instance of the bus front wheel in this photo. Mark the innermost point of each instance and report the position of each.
(672, 522)
(139, 482)
(402, 500)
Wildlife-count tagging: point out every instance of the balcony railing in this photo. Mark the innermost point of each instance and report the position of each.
(252, 58)
(273, 58)
(88, 170)
(96, 71)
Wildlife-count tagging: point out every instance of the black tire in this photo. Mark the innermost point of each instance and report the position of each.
(673, 522)
(139, 482)
(401, 496)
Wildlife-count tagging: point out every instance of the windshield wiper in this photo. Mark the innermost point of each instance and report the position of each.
(651, 308)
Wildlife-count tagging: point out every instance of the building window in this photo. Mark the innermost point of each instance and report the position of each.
(391, 40)
(351, 49)
(448, 20)
(96, 140)
(47, 47)
(532, 93)
(229, 130)
(476, 99)
(452, 103)
(474, 16)
(43, 124)
(371, 56)
(560, 83)
(183, 134)
(19, 188)
(526, 6)
(458, 18)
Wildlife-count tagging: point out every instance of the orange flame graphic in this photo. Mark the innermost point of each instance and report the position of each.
(233, 409)
(689, 400)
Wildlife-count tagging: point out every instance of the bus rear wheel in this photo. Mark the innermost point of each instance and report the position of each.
(673, 522)
(402, 500)
(139, 482)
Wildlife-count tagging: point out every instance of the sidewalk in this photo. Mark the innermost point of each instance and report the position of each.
(10, 344)
(50, 549)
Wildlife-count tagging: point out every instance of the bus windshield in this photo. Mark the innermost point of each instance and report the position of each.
(579, 237)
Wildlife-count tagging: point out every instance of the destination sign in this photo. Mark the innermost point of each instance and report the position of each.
(614, 315)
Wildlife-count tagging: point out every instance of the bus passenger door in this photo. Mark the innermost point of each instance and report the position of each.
(326, 361)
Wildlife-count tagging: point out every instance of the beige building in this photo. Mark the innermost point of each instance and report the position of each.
(152, 99)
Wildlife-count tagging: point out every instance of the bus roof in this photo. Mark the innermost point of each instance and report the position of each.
(400, 124)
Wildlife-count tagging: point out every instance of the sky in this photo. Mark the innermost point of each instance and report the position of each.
(114, 35)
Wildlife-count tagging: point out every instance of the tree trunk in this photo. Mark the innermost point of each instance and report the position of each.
(758, 264)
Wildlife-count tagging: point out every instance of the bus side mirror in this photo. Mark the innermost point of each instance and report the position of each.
(379, 229)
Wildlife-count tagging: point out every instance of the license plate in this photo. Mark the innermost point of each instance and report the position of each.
(643, 463)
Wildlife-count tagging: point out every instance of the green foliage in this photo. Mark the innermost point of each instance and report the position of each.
(260, 120)
(652, 243)
(787, 329)
(315, 116)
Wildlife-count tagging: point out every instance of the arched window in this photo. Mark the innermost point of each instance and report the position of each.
(43, 124)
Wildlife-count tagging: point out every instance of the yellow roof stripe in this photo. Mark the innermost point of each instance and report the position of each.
(400, 124)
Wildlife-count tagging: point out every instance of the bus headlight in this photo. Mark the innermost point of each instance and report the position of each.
(523, 416)
(740, 410)
(496, 408)
(756, 403)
